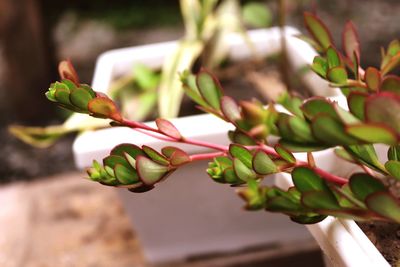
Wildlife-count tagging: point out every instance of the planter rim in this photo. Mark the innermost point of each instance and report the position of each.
(114, 62)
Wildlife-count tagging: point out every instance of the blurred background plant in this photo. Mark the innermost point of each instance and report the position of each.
(207, 24)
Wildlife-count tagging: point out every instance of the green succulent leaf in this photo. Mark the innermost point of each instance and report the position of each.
(320, 66)
(179, 157)
(306, 180)
(351, 43)
(385, 205)
(127, 149)
(125, 175)
(392, 63)
(62, 96)
(191, 90)
(112, 160)
(331, 131)
(367, 155)
(238, 137)
(333, 58)
(373, 78)
(285, 153)
(373, 133)
(242, 171)
(141, 189)
(356, 102)
(67, 71)
(384, 108)
(263, 164)
(253, 195)
(149, 171)
(155, 156)
(343, 154)
(394, 153)
(308, 219)
(393, 167)
(291, 103)
(231, 177)
(318, 105)
(320, 200)
(209, 88)
(241, 153)
(282, 204)
(104, 107)
(345, 116)
(301, 130)
(301, 147)
(230, 109)
(80, 98)
(318, 30)
(391, 83)
(337, 75)
(362, 185)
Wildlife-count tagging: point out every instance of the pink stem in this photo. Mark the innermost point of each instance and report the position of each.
(206, 156)
(139, 125)
(204, 144)
(367, 170)
(156, 136)
(143, 128)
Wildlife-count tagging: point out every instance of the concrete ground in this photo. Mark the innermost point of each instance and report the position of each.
(68, 221)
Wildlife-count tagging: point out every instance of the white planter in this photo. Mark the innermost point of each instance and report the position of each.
(342, 241)
(189, 214)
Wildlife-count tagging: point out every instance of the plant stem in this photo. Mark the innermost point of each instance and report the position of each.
(156, 136)
(206, 156)
(143, 128)
(138, 126)
(203, 144)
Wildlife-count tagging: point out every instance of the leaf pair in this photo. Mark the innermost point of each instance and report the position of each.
(204, 89)
(80, 98)
(331, 67)
(137, 168)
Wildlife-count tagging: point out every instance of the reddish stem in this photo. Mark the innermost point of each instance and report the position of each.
(143, 128)
(156, 136)
(206, 156)
(203, 144)
(139, 125)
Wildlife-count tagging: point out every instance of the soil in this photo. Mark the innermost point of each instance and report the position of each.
(386, 238)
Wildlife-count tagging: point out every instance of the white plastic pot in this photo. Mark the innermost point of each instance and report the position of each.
(189, 215)
(342, 241)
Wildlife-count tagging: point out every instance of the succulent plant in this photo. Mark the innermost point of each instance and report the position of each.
(317, 123)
